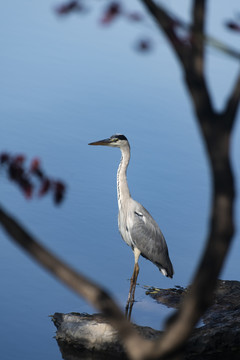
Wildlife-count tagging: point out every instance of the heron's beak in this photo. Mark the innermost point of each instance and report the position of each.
(105, 142)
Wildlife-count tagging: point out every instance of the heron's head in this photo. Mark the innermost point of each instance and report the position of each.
(117, 140)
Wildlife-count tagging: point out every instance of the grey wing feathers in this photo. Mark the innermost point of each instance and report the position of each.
(148, 238)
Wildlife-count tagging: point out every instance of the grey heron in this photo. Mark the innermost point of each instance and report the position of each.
(137, 227)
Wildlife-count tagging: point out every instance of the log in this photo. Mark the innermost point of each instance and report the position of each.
(218, 337)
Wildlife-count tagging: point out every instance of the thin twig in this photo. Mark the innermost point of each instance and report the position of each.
(167, 24)
(160, 14)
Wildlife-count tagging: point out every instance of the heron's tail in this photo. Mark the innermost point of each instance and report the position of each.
(167, 272)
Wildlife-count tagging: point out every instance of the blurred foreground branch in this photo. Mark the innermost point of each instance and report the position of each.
(216, 129)
(90, 291)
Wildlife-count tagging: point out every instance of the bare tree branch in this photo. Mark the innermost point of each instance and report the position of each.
(198, 15)
(220, 46)
(233, 102)
(218, 242)
(193, 70)
(173, 21)
(197, 35)
(167, 24)
(216, 135)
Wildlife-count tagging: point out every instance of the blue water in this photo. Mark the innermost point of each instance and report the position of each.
(66, 82)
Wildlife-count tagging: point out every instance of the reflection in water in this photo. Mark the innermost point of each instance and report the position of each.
(69, 353)
(76, 353)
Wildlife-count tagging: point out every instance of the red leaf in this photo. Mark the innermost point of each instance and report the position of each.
(35, 164)
(35, 168)
(28, 190)
(45, 187)
(113, 10)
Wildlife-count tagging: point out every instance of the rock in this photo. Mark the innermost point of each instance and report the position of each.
(218, 338)
(87, 332)
(226, 301)
(92, 333)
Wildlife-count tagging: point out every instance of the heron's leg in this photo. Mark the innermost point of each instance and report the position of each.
(133, 283)
(131, 294)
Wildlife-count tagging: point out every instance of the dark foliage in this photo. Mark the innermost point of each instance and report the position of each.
(113, 10)
(31, 179)
(69, 7)
(233, 25)
(144, 45)
(110, 12)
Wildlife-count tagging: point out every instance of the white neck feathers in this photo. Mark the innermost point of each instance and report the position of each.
(122, 186)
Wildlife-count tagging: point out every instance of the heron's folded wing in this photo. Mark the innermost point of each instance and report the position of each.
(147, 236)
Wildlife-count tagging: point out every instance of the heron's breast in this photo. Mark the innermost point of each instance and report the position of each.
(123, 229)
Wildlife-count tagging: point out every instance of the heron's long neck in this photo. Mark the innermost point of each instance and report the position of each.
(122, 185)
